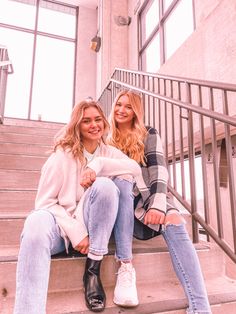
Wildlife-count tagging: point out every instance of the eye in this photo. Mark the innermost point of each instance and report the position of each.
(86, 121)
(98, 119)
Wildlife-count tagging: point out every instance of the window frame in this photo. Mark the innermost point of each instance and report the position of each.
(159, 28)
(35, 32)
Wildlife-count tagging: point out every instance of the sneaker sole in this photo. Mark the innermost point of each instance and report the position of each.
(127, 303)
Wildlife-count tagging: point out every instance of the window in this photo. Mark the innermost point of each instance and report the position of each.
(178, 26)
(42, 86)
(151, 55)
(164, 26)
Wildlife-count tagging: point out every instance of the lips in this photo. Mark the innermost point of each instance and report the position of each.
(121, 116)
(94, 132)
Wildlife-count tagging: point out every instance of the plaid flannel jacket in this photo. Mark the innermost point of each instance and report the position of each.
(155, 176)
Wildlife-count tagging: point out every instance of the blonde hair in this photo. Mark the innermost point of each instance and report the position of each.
(131, 144)
(69, 138)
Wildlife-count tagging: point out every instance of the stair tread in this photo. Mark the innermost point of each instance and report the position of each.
(10, 252)
(11, 122)
(153, 298)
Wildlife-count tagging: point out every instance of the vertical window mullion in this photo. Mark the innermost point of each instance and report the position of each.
(33, 59)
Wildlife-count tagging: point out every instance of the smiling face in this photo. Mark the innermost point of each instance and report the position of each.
(123, 112)
(91, 127)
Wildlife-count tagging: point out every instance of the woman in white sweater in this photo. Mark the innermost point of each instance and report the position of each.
(85, 192)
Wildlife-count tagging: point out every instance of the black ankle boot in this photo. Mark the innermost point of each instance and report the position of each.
(95, 297)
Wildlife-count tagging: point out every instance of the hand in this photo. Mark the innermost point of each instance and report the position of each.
(88, 177)
(154, 217)
(83, 246)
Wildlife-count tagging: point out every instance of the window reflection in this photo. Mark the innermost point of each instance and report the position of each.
(167, 3)
(151, 56)
(53, 82)
(170, 28)
(47, 77)
(56, 19)
(18, 13)
(150, 19)
(20, 49)
(178, 27)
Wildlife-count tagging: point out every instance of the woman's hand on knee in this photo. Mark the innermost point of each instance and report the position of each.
(83, 246)
(88, 177)
(154, 217)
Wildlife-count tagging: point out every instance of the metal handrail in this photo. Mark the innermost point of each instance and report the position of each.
(196, 121)
(185, 105)
(8, 64)
(213, 84)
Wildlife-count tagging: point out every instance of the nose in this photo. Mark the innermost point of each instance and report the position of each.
(121, 109)
(93, 124)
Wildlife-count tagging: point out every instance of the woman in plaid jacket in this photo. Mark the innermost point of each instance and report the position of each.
(155, 213)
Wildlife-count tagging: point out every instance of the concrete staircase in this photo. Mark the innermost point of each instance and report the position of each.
(24, 146)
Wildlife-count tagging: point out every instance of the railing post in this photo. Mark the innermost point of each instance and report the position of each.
(192, 166)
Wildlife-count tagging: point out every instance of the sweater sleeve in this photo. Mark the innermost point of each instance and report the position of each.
(157, 172)
(105, 166)
(115, 163)
(50, 183)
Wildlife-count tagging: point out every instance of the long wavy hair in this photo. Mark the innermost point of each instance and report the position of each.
(132, 144)
(69, 138)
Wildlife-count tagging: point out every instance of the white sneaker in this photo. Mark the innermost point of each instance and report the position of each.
(125, 293)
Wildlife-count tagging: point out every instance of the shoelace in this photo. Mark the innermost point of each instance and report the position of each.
(125, 275)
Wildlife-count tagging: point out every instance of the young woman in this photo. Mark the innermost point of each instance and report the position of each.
(155, 212)
(85, 192)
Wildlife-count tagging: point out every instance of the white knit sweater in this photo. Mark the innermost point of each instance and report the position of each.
(60, 192)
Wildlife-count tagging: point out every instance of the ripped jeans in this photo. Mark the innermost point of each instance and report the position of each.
(109, 206)
(187, 267)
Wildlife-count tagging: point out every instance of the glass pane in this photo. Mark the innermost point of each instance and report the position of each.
(167, 3)
(151, 56)
(53, 80)
(18, 13)
(57, 19)
(149, 19)
(178, 26)
(20, 49)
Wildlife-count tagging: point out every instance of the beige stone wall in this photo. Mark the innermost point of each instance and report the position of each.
(114, 49)
(86, 58)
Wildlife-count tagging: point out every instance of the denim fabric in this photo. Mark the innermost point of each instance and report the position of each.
(124, 224)
(110, 203)
(100, 212)
(41, 238)
(186, 264)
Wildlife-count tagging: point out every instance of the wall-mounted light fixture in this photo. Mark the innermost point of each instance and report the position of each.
(95, 43)
(121, 20)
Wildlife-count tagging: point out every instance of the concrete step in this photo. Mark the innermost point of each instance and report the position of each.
(19, 179)
(36, 129)
(158, 296)
(10, 230)
(155, 259)
(25, 149)
(25, 138)
(32, 123)
(15, 203)
(21, 162)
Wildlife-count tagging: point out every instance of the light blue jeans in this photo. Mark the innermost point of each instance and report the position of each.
(187, 267)
(41, 238)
